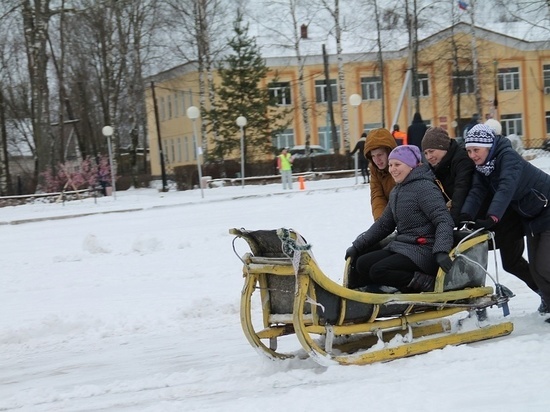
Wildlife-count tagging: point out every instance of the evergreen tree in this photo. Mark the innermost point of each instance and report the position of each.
(240, 94)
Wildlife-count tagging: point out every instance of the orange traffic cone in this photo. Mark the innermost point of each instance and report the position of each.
(302, 183)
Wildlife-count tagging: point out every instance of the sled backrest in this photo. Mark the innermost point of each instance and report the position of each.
(470, 262)
(275, 276)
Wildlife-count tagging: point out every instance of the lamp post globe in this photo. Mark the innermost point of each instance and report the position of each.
(355, 99)
(193, 112)
(107, 131)
(241, 121)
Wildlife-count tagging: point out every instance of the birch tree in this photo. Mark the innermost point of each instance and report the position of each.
(284, 30)
(36, 16)
(198, 29)
(334, 11)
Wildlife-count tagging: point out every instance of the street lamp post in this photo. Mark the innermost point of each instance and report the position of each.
(108, 132)
(355, 100)
(193, 113)
(241, 122)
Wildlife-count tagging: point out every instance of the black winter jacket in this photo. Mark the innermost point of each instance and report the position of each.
(455, 172)
(360, 148)
(416, 131)
(418, 212)
(516, 183)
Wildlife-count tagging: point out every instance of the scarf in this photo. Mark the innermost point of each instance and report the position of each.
(488, 167)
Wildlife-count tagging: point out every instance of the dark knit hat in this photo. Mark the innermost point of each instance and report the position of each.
(480, 135)
(436, 138)
(408, 154)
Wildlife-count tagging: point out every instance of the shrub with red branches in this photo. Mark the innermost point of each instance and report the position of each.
(73, 175)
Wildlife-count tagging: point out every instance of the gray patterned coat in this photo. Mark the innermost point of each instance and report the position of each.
(418, 212)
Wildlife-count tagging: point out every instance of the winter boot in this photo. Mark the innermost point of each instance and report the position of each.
(544, 307)
(421, 282)
(481, 314)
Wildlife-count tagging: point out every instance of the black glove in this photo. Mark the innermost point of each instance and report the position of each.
(462, 218)
(487, 223)
(351, 252)
(444, 261)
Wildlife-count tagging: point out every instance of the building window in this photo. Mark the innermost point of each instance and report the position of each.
(508, 79)
(178, 159)
(169, 106)
(371, 126)
(547, 122)
(284, 139)
(546, 75)
(280, 92)
(182, 101)
(422, 86)
(325, 137)
(166, 148)
(371, 88)
(321, 91)
(176, 111)
(186, 148)
(511, 124)
(172, 151)
(463, 83)
(161, 108)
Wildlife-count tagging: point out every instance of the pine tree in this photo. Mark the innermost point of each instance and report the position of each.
(240, 94)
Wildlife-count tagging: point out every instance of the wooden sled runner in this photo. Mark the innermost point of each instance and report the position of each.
(335, 324)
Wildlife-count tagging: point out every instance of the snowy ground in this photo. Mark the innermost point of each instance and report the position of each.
(139, 311)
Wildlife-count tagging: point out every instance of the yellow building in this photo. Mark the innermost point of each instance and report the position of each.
(515, 71)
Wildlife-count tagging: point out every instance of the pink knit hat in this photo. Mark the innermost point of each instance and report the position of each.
(408, 154)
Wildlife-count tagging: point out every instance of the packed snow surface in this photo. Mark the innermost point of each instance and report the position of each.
(132, 304)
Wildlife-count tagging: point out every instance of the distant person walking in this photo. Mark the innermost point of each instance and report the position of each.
(416, 131)
(399, 136)
(362, 160)
(473, 121)
(284, 164)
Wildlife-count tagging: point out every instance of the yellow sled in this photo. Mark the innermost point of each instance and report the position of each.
(335, 324)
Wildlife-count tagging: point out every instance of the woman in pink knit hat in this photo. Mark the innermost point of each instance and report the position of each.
(424, 231)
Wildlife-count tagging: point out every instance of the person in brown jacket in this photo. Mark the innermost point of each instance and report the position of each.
(378, 146)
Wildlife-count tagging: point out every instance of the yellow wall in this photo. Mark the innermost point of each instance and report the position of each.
(439, 108)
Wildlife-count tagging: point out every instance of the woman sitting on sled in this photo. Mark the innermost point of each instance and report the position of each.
(424, 232)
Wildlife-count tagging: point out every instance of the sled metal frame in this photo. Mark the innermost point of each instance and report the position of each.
(335, 324)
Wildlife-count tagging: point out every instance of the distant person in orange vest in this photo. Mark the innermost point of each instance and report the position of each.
(399, 136)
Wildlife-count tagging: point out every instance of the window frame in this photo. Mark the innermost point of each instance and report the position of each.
(546, 75)
(324, 134)
(281, 92)
(284, 139)
(512, 124)
(508, 79)
(321, 91)
(464, 81)
(371, 88)
(423, 85)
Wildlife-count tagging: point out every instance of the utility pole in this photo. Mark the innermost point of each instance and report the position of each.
(161, 153)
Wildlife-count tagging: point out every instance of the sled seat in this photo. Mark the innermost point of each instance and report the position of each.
(297, 298)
